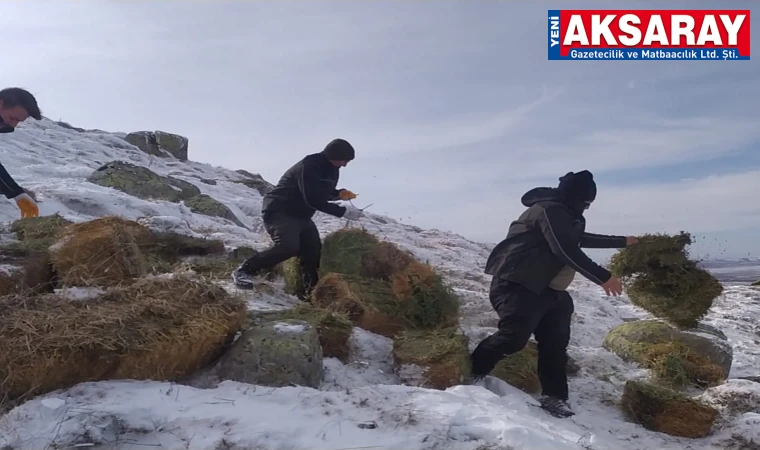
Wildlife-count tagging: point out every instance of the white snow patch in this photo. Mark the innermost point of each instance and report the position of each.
(290, 328)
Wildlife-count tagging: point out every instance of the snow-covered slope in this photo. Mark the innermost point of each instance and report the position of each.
(360, 404)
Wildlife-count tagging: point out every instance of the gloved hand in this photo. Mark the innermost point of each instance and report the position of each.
(353, 213)
(27, 205)
(345, 194)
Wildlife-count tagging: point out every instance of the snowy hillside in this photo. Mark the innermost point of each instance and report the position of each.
(361, 404)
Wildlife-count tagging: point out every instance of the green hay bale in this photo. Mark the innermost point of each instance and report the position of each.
(521, 369)
(343, 251)
(666, 411)
(652, 253)
(38, 233)
(443, 354)
(681, 296)
(425, 299)
(383, 260)
(334, 329)
(676, 357)
(291, 272)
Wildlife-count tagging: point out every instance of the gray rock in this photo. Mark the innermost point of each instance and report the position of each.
(205, 204)
(142, 182)
(255, 181)
(160, 143)
(277, 354)
(208, 181)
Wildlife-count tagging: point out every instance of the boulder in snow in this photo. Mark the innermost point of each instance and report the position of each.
(675, 356)
(734, 398)
(255, 181)
(660, 409)
(142, 182)
(160, 143)
(205, 204)
(277, 353)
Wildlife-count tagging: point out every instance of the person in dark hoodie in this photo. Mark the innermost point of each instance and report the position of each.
(309, 186)
(532, 268)
(17, 105)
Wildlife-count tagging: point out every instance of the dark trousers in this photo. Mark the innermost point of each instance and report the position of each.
(522, 313)
(292, 236)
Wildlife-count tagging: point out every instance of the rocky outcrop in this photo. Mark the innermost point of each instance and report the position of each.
(278, 353)
(142, 182)
(255, 181)
(205, 204)
(160, 143)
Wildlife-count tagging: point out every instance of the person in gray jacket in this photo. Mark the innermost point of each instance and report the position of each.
(532, 268)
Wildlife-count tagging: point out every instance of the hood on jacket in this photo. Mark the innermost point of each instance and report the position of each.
(548, 194)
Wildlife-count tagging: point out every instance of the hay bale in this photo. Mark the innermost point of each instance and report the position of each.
(157, 329)
(676, 357)
(333, 328)
(424, 300)
(277, 353)
(681, 296)
(521, 369)
(25, 274)
(442, 354)
(344, 250)
(38, 233)
(383, 260)
(666, 411)
(661, 279)
(291, 272)
(164, 250)
(101, 252)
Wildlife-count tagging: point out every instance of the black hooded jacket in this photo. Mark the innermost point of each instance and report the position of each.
(8, 186)
(305, 188)
(545, 238)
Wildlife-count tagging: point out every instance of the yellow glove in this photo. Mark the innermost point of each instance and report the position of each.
(27, 205)
(345, 194)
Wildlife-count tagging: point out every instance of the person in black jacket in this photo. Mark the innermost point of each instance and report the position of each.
(307, 187)
(17, 105)
(532, 268)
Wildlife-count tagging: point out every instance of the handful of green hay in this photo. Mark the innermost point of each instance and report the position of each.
(662, 279)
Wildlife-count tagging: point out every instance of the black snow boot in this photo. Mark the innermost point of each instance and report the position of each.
(556, 406)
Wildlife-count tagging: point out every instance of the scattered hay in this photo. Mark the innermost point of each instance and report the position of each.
(676, 357)
(521, 369)
(443, 354)
(38, 233)
(101, 252)
(158, 329)
(666, 411)
(661, 279)
(334, 329)
(344, 250)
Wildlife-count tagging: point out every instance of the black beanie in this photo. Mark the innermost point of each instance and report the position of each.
(339, 150)
(580, 185)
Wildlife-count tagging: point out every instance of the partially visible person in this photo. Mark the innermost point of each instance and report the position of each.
(532, 269)
(17, 105)
(307, 187)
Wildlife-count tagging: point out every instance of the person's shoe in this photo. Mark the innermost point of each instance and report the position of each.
(556, 406)
(243, 280)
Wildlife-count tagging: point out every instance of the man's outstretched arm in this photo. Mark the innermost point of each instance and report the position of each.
(591, 240)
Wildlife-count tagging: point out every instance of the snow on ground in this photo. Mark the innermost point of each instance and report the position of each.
(360, 404)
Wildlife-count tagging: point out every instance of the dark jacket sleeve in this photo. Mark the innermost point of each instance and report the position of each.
(8, 186)
(313, 194)
(556, 223)
(591, 240)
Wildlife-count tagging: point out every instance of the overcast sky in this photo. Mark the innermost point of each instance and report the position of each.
(453, 107)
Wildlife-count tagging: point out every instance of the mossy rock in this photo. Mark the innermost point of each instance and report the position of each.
(676, 357)
(36, 234)
(159, 143)
(334, 329)
(756, 283)
(681, 296)
(666, 411)
(207, 205)
(442, 354)
(255, 182)
(143, 183)
(521, 369)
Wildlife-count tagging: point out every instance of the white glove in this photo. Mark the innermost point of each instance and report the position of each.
(353, 213)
